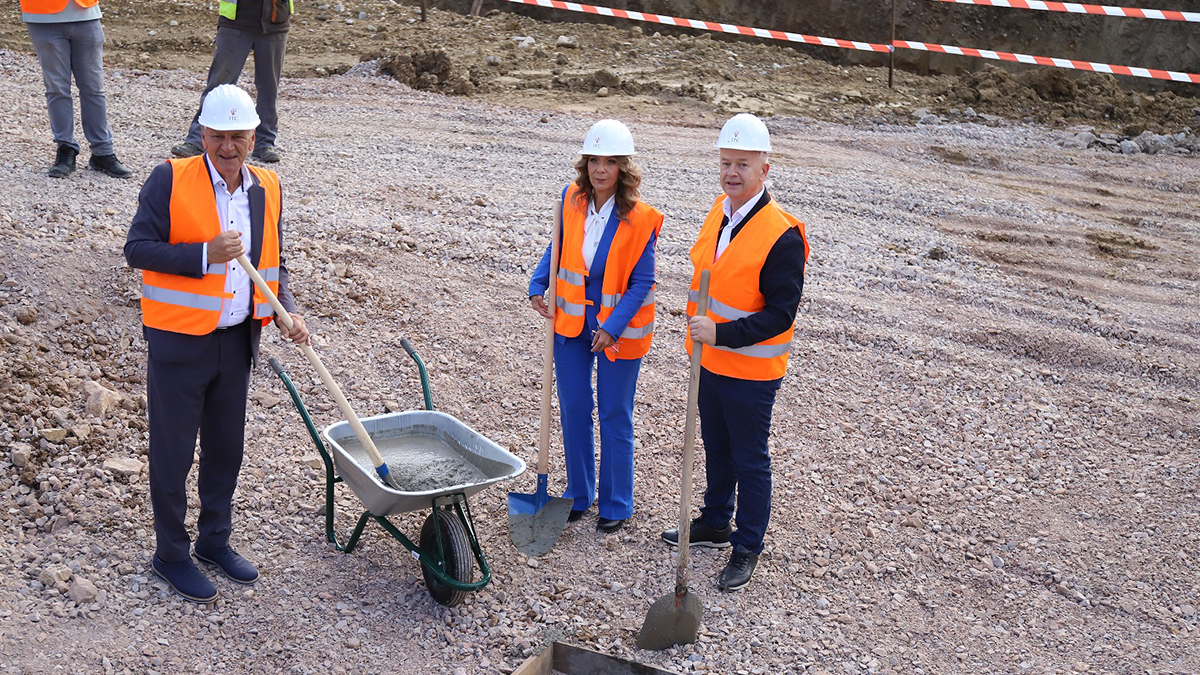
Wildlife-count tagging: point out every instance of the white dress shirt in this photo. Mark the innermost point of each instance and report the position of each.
(593, 228)
(734, 219)
(233, 210)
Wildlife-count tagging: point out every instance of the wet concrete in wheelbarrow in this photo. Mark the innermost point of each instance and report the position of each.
(421, 463)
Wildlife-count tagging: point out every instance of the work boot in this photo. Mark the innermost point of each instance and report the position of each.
(701, 535)
(185, 579)
(109, 165)
(186, 149)
(64, 162)
(266, 154)
(738, 571)
(230, 563)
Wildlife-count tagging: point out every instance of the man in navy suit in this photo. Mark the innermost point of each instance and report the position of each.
(202, 318)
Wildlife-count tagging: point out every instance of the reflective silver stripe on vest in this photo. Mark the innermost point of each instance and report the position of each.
(215, 268)
(269, 273)
(719, 308)
(181, 298)
(632, 333)
(570, 308)
(759, 351)
(570, 277)
(612, 300)
(263, 310)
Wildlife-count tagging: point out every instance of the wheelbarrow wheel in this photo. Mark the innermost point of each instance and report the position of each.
(457, 559)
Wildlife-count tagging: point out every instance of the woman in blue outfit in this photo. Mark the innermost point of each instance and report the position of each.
(603, 318)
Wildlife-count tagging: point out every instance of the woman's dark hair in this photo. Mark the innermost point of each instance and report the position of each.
(627, 186)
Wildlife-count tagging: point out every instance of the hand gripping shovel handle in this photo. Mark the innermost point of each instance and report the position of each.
(548, 351)
(334, 389)
(689, 442)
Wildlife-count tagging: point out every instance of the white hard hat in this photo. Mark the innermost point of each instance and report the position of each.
(228, 108)
(745, 132)
(608, 138)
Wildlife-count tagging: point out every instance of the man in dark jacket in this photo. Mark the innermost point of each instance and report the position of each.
(244, 26)
(202, 319)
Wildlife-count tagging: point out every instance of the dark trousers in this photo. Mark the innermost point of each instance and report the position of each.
(232, 47)
(205, 395)
(735, 423)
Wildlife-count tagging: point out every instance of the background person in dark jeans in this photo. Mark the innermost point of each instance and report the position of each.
(259, 26)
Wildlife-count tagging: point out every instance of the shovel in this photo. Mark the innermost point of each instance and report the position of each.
(334, 389)
(674, 619)
(536, 521)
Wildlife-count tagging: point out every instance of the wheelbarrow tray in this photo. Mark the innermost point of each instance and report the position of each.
(493, 462)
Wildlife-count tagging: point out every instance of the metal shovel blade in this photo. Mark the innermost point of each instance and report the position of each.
(536, 521)
(672, 620)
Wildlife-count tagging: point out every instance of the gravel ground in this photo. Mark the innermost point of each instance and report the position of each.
(985, 450)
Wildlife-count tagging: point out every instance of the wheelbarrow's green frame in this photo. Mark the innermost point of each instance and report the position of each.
(454, 505)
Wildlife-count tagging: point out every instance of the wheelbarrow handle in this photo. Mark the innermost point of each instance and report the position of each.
(408, 347)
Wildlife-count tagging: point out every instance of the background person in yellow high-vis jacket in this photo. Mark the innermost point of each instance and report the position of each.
(755, 252)
(244, 26)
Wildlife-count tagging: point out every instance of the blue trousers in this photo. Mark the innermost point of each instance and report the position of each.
(230, 51)
(66, 49)
(616, 382)
(735, 423)
(205, 395)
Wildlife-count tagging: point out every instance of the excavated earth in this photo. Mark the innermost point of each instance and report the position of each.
(985, 449)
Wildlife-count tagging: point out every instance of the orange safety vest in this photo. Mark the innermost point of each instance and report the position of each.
(52, 6)
(193, 306)
(733, 291)
(628, 244)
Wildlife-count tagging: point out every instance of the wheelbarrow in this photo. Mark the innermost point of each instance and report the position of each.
(439, 461)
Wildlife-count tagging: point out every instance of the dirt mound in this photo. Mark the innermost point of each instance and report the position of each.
(1057, 97)
(429, 70)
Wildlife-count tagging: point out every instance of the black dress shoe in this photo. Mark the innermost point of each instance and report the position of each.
(64, 162)
(575, 515)
(608, 526)
(109, 165)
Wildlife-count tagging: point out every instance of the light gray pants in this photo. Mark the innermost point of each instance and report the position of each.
(63, 49)
(232, 47)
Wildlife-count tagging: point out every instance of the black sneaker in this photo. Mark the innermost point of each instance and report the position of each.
(701, 535)
(64, 162)
(109, 165)
(186, 149)
(266, 154)
(738, 571)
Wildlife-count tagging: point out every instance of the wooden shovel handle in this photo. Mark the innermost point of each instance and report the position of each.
(689, 444)
(548, 349)
(359, 431)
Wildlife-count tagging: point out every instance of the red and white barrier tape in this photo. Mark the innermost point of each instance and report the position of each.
(1076, 8)
(1051, 61)
(902, 44)
(708, 25)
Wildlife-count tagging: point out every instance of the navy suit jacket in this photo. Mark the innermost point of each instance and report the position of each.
(147, 247)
